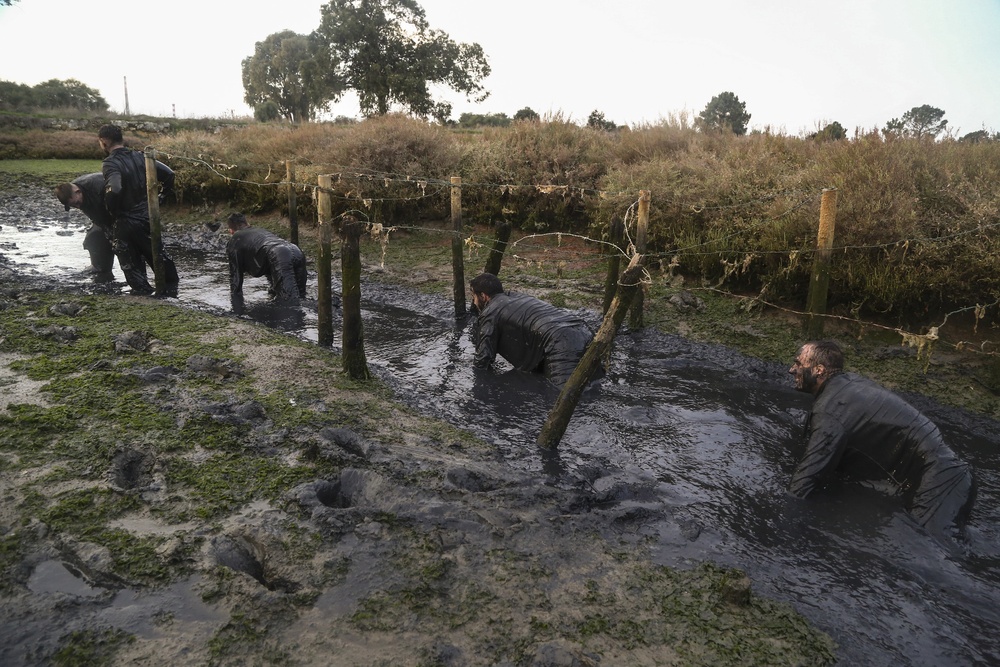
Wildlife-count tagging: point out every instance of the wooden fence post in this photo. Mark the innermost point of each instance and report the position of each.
(503, 230)
(616, 236)
(819, 284)
(457, 262)
(324, 304)
(353, 343)
(628, 288)
(155, 228)
(293, 212)
(641, 235)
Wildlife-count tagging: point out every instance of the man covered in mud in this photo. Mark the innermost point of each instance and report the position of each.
(258, 252)
(862, 429)
(87, 194)
(532, 335)
(125, 197)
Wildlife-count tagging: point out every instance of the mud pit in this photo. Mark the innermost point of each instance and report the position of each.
(395, 540)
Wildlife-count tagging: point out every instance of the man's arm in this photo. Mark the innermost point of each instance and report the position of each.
(165, 175)
(486, 346)
(112, 185)
(824, 450)
(235, 271)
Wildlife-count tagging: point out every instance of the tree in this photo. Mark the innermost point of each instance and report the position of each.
(527, 113)
(267, 111)
(14, 96)
(831, 132)
(918, 123)
(725, 112)
(483, 120)
(980, 136)
(597, 121)
(67, 94)
(283, 70)
(386, 52)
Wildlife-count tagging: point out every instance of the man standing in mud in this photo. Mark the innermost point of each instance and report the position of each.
(258, 252)
(860, 428)
(125, 195)
(532, 335)
(87, 194)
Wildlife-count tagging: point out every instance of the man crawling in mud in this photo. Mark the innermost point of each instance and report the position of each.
(258, 252)
(532, 335)
(860, 428)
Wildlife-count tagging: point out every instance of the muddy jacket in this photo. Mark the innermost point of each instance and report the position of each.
(92, 187)
(862, 429)
(125, 183)
(258, 252)
(532, 335)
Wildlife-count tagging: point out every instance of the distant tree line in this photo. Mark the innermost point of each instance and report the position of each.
(51, 94)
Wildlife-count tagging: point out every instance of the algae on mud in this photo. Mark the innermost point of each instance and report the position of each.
(312, 515)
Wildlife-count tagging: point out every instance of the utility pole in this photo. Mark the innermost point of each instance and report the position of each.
(125, 79)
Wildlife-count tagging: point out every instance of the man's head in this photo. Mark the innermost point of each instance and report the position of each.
(110, 136)
(816, 362)
(70, 195)
(484, 287)
(237, 221)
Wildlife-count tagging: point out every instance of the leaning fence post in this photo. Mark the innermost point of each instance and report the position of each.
(353, 343)
(819, 284)
(641, 233)
(555, 425)
(616, 235)
(457, 263)
(499, 247)
(155, 228)
(324, 305)
(293, 213)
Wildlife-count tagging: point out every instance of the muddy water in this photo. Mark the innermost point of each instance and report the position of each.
(698, 440)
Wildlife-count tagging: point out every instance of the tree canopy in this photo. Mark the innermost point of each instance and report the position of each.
(918, 123)
(283, 71)
(386, 52)
(597, 121)
(52, 94)
(528, 114)
(725, 112)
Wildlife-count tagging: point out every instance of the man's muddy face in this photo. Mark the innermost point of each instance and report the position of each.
(803, 371)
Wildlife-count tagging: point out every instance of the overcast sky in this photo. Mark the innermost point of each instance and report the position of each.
(796, 64)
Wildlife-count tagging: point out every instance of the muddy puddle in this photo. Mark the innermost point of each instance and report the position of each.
(697, 440)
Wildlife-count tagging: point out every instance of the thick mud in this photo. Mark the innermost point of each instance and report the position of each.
(683, 447)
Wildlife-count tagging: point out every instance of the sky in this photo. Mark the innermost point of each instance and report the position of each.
(796, 64)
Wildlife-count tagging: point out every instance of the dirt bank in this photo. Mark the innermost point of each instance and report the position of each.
(183, 488)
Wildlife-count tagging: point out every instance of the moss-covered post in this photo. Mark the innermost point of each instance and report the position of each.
(555, 425)
(616, 236)
(819, 284)
(500, 241)
(641, 235)
(353, 345)
(457, 263)
(155, 228)
(324, 305)
(293, 212)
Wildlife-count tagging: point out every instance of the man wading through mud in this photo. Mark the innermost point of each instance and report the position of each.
(532, 335)
(125, 195)
(87, 194)
(258, 252)
(862, 429)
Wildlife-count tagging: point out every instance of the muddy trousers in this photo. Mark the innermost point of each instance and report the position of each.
(102, 255)
(564, 355)
(288, 273)
(944, 498)
(134, 249)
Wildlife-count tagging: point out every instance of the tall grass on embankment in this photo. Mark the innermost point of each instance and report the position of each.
(917, 227)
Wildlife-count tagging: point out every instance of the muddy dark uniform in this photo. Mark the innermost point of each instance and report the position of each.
(125, 197)
(862, 429)
(532, 335)
(98, 239)
(258, 252)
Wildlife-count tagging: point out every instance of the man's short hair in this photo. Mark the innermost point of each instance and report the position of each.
(827, 353)
(64, 191)
(113, 133)
(237, 220)
(486, 283)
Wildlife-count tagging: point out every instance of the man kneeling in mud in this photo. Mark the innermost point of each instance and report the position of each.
(861, 428)
(532, 335)
(258, 252)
